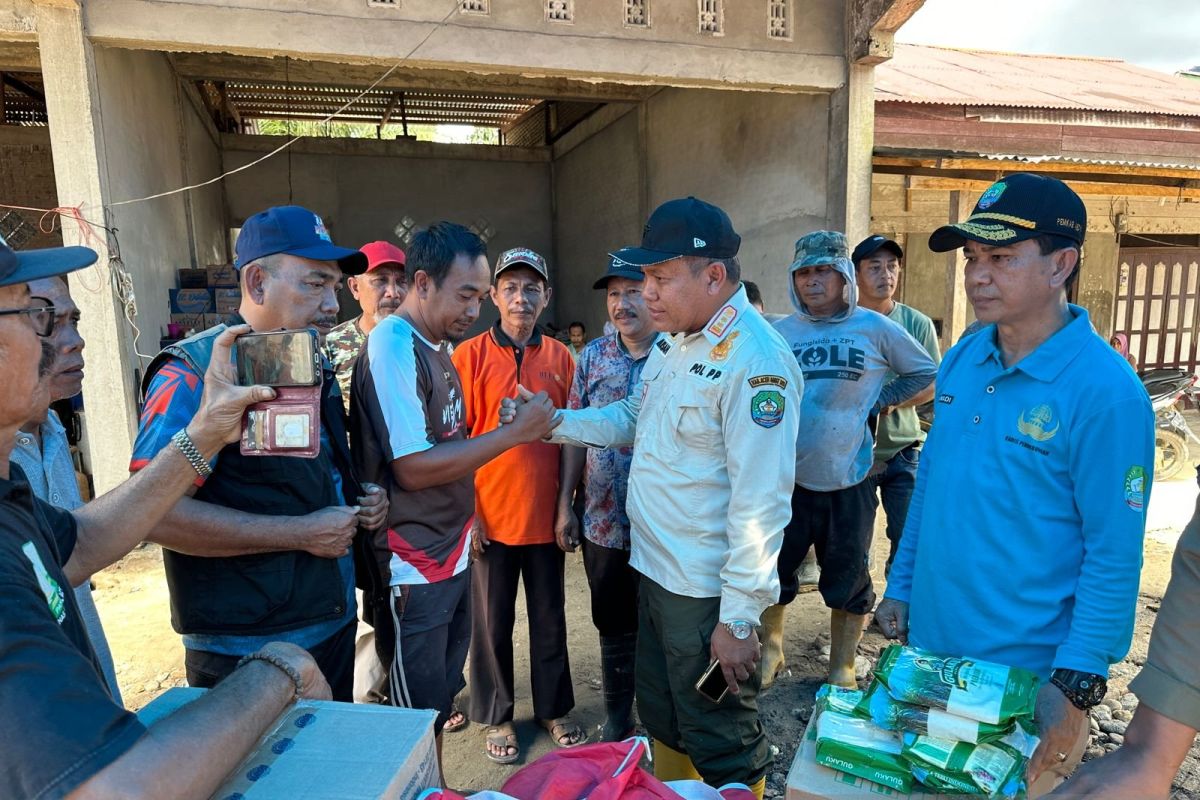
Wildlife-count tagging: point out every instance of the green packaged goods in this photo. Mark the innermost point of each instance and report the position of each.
(889, 713)
(965, 687)
(857, 747)
(997, 769)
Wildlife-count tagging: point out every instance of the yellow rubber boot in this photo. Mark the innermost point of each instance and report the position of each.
(772, 644)
(759, 787)
(672, 765)
(845, 631)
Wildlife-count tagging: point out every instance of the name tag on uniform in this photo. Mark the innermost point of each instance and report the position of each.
(706, 371)
(946, 398)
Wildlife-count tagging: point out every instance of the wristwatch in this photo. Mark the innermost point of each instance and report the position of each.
(739, 629)
(1083, 689)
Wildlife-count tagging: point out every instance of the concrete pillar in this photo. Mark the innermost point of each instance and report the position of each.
(955, 319)
(852, 115)
(1098, 277)
(76, 138)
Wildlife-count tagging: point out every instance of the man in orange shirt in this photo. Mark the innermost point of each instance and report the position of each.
(515, 501)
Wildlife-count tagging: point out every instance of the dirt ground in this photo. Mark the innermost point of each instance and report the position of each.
(132, 599)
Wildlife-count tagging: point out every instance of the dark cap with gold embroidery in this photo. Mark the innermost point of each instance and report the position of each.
(1015, 208)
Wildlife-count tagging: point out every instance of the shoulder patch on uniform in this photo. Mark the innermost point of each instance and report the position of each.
(663, 345)
(767, 380)
(720, 351)
(766, 408)
(702, 369)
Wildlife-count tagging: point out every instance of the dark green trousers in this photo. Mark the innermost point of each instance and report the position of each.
(725, 740)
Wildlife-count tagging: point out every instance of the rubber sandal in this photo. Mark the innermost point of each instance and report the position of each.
(565, 728)
(502, 736)
(451, 726)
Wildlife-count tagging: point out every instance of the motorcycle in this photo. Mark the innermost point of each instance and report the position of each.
(1171, 432)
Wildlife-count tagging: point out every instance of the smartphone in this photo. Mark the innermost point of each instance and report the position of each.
(712, 683)
(279, 358)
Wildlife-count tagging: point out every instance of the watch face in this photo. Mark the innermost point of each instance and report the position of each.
(740, 629)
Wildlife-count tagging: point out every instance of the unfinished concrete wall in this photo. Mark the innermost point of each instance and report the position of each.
(515, 37)
(146, 146)
(27, 179)
(762, 157)
(206, 207)
(597, 186)
(363, 188)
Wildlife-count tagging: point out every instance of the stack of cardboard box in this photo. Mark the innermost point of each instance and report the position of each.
(205, 297)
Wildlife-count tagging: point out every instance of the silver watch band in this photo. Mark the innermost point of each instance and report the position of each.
(186, 446)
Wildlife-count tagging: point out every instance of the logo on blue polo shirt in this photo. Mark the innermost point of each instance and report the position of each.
(1135, 487)
(53, 592)
(1037, 424)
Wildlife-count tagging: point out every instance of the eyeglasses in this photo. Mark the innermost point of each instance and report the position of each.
(40, 312)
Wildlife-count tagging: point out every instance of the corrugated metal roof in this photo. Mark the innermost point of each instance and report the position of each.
(1104, 162)
(948, 76)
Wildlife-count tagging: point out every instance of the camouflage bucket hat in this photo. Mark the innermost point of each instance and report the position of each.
(819, 247)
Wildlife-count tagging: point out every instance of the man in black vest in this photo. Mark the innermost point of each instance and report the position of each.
(260, 550)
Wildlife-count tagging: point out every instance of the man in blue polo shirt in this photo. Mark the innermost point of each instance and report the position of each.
(1024, 537)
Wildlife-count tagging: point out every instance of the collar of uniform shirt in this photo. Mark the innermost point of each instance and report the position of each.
(721, 323)
(1051, 356)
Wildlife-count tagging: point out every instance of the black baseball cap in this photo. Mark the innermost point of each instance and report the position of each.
(618, 267)
(1015, 208)
(522, 257)
(31, 265)
(872, 245)
(684, 227)
(295, 231)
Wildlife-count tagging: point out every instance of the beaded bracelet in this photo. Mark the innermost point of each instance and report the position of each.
(276, 661)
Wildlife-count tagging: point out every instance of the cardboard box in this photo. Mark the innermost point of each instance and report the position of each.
(193, 279)
(190, 322)
(323, 750)
(227, 301)
(222, 275)
(213, 320)
(191, 301)
(807, 780)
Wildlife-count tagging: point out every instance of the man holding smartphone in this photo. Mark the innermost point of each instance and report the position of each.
(260, 549)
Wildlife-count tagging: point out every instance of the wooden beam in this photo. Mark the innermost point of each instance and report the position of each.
(24, 88)
(3, 110)
(387, 114)
(1007, 165)
(1191, 189)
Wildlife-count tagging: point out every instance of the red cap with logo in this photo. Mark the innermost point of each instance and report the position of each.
(380, 253)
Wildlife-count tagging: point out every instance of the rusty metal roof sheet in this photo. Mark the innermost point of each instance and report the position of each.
(949, 76)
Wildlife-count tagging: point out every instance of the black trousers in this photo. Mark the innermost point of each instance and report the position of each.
(614, 589)
(334, 656)
(839, 525)
(494, 579)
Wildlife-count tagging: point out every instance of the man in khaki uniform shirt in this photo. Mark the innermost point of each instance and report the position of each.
(713, 426)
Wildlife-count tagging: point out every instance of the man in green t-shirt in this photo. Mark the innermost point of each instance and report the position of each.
(877, 261)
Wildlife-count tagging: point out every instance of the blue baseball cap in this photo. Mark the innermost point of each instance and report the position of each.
(295, 231)
(31, 265)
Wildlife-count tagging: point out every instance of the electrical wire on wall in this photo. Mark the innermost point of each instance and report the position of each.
(121, 280)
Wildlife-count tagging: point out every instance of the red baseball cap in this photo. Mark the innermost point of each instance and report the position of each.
(380, 253)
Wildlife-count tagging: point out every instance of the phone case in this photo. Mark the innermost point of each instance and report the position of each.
(289, 425)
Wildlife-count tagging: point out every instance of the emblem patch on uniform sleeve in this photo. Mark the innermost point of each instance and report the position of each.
(766, 408)
(1135, 487)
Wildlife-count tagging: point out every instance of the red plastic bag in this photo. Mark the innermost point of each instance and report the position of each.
(601, 771)
(604, 771)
